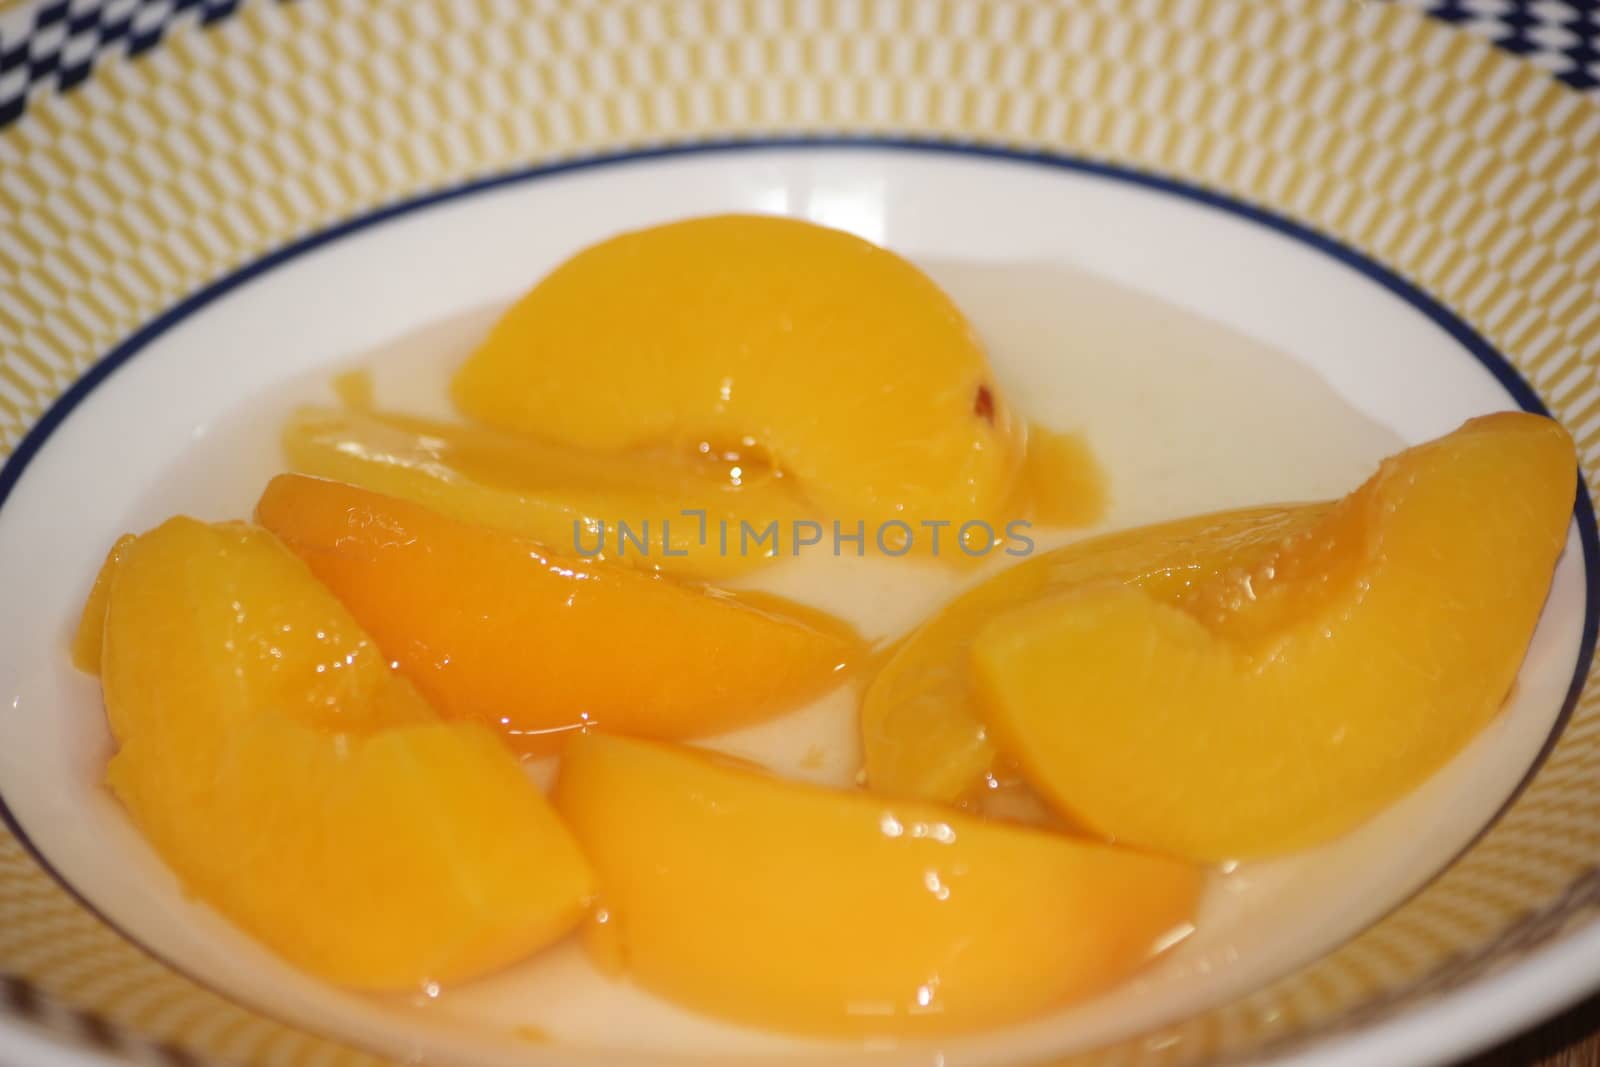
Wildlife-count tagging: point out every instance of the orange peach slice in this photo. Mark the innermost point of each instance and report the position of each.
(495, 627)
(1277, 705)
(826, 912)
(297, 785)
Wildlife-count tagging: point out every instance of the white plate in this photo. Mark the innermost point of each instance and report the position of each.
(177, 425)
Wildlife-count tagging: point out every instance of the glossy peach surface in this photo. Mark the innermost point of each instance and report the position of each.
(626, 507)
(923, 735)
(819, 911)
(299, 786)
(1277, 703)
(803, 347)
(494, 627)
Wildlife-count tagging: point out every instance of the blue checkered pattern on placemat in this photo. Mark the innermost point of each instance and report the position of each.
(1562, 36)
(66, 38)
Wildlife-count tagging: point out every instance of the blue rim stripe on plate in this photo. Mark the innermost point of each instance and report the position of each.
(1490, 358)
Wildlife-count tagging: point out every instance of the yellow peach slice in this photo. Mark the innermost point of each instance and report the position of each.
(832, 359)
(818, 911)
(923, 735)
(1275, 706)
(296, 784)
(653, 509)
